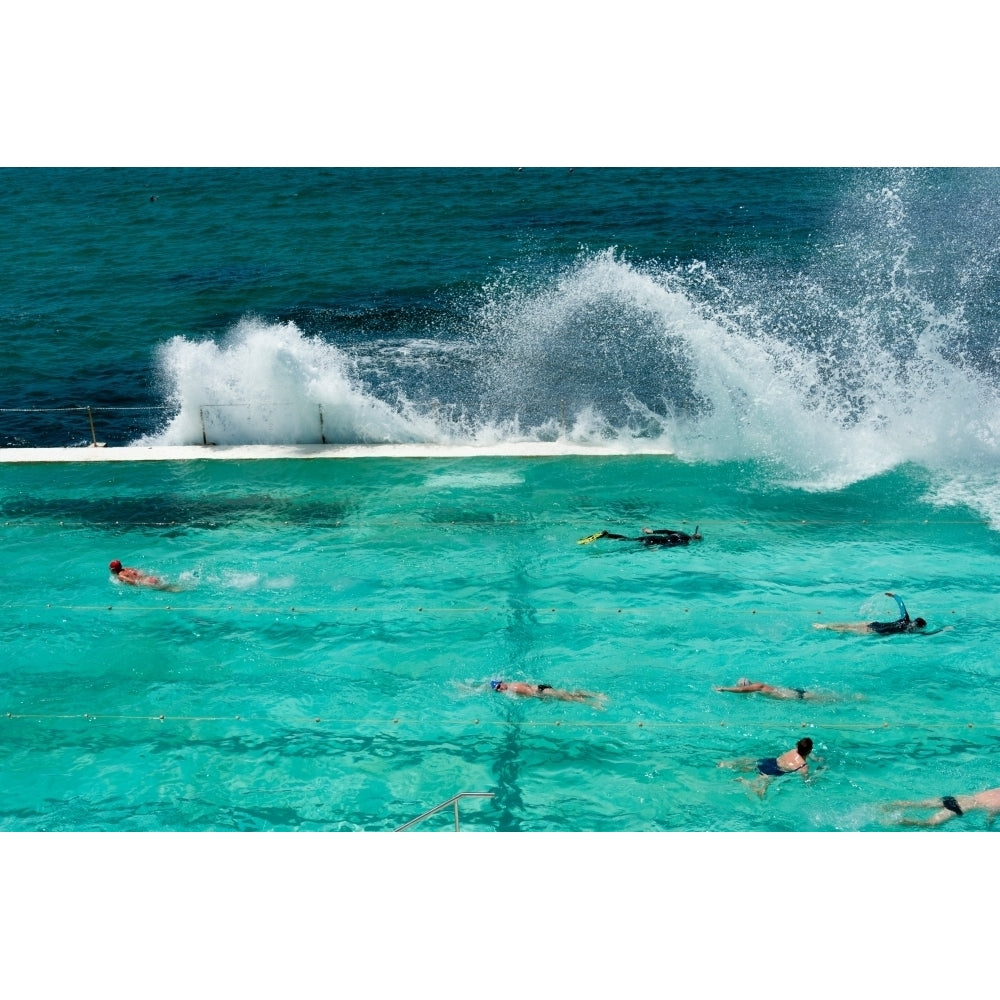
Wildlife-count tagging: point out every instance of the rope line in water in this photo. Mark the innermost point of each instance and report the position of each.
(397, 609)
(532, 723)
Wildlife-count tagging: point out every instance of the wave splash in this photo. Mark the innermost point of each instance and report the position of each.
(863, 360)
(267, 383)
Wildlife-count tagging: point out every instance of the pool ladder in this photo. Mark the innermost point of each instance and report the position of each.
(444, 805)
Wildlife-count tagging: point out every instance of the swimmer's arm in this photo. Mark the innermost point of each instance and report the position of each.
(902, 607)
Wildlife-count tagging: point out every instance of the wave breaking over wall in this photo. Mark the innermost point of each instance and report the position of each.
(871, 348)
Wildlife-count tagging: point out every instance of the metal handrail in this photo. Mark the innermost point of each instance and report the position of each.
(443, 805)
(205, 410)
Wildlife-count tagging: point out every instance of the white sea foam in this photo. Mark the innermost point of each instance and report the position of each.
(979, 492)
(267, 383)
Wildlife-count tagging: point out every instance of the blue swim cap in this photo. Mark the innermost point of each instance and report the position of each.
(495, 684)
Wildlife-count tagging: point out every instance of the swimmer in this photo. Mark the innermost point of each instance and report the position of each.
(951, 806)
(137, 578)
(649, 536)
(768, 768)
(902, 624)
(743, 686)
(547, 691)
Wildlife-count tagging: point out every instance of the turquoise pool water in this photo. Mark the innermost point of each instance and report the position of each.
(326, 665)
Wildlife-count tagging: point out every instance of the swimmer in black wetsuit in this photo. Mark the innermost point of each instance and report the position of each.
(649, 536)
(951, 806)
(547, 691)
(902, 624)
(773, 767)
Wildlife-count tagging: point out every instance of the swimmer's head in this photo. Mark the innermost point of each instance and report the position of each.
(115, 566)
(804, 746)
(496, 685)
(919, 623)
(743, 682)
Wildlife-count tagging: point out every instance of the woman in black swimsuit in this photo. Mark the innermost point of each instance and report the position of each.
(546, 691)
(774, 767)
(744, 686)
(951, 806)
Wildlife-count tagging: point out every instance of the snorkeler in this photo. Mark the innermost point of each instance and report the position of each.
(902, 624)
(744, 686)
(137, 578)
(547, 691)
(767, 768)
(951, 806)
(650, 536)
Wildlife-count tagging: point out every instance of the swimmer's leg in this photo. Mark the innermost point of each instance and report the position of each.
(758, 786)
(740, 764)
(941, 816)
(915, 803)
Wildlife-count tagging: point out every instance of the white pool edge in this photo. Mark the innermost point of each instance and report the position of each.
(187, 453)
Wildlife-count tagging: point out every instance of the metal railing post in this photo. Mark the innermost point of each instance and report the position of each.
(444, 805)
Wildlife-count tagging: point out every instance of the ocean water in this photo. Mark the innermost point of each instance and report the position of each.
(803, 363)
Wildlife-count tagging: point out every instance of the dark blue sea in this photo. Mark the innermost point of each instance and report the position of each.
(835, 323)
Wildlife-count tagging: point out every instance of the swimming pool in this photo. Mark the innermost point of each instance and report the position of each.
(327, 664)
